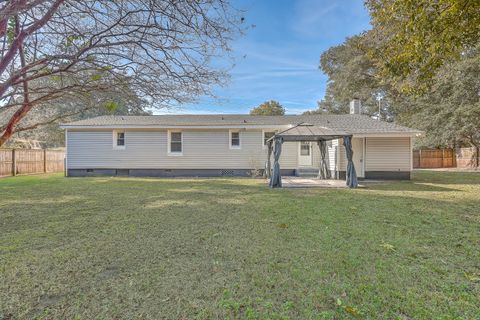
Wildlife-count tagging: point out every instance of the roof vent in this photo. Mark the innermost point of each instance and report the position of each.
(355, 106)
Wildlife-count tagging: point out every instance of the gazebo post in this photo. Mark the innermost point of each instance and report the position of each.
(351, 175)
(276, 179)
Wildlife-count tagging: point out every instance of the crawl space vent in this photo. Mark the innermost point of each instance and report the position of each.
(226, 172)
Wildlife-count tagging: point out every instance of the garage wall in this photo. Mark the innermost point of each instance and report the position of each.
(388, 154)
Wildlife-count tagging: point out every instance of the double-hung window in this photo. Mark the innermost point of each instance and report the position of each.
(175, 143)
(235, 142)
(119, 139)
(305, 148)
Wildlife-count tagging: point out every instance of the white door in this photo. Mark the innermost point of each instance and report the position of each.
(357, 146)
(305, 154)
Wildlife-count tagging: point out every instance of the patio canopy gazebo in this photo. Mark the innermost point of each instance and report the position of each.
(308, 132)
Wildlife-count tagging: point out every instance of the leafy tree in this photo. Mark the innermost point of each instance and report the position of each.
(352, 73)
(423, 82)
(268, 108)
(450, 112)
(414, 39)
(162, 49)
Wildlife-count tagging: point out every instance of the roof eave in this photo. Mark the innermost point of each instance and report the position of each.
(136, 126)
(388, 134)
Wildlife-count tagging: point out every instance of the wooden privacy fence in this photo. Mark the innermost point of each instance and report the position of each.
(434, 158)
(30, 161)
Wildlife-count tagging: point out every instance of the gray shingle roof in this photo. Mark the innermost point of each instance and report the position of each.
(355, 124)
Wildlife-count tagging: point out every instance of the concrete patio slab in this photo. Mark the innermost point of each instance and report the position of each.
(301, 182)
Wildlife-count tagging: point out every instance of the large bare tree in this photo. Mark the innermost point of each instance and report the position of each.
(56, 49)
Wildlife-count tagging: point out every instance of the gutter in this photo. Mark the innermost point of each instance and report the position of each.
(388, 134)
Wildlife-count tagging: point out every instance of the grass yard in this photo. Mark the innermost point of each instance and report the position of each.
(128, 248)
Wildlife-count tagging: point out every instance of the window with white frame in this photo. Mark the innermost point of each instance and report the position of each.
(175, 142)
(235, 142)
(267, 135)
(305, 148)
(119, 139)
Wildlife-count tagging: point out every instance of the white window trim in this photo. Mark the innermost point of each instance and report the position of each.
(264, 146)
(114, 138)
(230, 139)
(170, 153)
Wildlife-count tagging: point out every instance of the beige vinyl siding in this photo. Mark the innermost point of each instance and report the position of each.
(337, 151)
(342, 156)
(289, 156)
(332, 151)
(381, 154)
(209, 149)
(388, 154)
(315, 155)
(147, 149)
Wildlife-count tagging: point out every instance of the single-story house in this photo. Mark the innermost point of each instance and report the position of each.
(233, 145)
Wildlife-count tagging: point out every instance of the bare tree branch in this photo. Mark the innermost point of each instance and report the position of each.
(160, 49)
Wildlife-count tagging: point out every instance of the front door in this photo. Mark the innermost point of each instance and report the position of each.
(357, 146)
(305, 154)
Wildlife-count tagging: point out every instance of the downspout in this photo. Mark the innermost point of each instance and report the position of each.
(65, 161)
(364, 156)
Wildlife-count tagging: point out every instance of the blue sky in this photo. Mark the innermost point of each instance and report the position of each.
(278, 59)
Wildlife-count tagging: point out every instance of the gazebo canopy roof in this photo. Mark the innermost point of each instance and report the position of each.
(309, 132)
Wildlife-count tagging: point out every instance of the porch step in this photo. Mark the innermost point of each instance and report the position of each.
(306, 172)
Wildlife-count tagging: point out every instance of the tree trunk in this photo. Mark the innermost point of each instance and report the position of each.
(477, 156)
(476, 146)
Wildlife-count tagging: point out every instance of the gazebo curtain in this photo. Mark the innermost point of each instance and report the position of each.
(351, 174)
(324, 172)
(276, 179)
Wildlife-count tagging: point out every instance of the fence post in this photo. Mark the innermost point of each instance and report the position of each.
(44, 160)
(443, 157)
(14, 163)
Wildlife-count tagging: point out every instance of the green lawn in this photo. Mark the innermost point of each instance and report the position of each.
(232, 248)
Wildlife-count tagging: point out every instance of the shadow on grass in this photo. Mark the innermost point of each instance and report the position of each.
(408, 186)
(422, 181)
(442, 177)
(175, 180)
